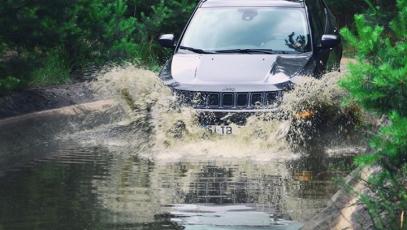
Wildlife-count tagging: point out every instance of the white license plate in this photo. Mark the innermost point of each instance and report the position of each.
(220, 129)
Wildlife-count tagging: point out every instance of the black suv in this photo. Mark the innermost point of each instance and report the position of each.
(241, 55)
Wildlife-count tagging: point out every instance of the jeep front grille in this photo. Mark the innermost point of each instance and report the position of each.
(241, 100)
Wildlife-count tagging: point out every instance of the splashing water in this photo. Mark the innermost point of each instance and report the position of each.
(319, 118)
(103, 157)
(174, 131)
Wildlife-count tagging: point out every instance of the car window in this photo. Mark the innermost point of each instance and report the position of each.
(225, 28)
(318, 20)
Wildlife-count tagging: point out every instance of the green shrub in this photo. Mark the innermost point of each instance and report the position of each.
(50, 39)
(158, 18)
(53, 71)
(8, 84)
(378, 82)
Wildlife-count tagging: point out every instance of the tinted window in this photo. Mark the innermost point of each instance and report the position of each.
(279, 29)
(318, 19)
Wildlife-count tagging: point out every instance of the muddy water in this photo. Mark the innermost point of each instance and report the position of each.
(95, 187)
(139, 170)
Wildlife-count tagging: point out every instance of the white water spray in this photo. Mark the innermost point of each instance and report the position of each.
(174, 131)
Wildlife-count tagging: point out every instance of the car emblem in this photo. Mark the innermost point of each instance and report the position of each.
(229, 89)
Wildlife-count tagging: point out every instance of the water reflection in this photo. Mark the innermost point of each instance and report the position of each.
(101, 188)
(227, 217)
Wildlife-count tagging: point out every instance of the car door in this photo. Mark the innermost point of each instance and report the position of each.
(322, 23)
(331, 27)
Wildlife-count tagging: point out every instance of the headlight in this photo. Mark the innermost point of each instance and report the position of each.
(165, 73)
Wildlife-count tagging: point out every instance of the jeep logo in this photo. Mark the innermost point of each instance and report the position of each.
(229, 89)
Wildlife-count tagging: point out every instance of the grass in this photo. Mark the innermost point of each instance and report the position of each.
(32, 70)
(54, 71)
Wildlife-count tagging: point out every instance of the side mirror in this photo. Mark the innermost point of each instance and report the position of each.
(330, 41)
(167, 40)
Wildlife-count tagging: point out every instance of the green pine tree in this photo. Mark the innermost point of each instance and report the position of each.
(378, 82)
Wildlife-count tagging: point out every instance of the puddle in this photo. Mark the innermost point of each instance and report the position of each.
(132, 167)
(108, 188)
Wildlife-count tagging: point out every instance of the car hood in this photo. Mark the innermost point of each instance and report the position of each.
(236, 72)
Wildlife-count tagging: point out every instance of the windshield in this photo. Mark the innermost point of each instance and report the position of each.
(245, 28)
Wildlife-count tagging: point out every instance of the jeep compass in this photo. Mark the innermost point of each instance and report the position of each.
(241, 55)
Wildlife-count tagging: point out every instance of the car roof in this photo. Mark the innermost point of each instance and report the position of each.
(278, 3)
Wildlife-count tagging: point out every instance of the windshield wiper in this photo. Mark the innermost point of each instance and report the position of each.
(252, 51)
(195, 50)
(244, 51)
